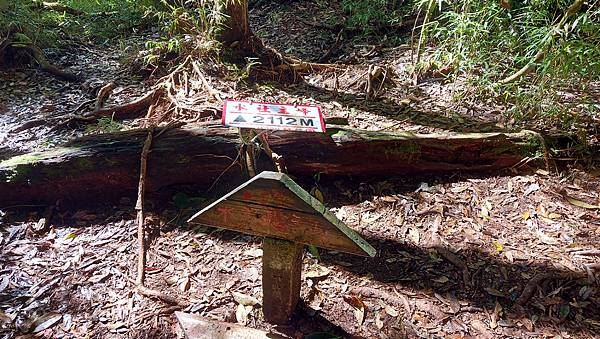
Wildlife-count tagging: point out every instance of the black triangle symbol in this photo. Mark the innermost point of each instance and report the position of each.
(239, 119)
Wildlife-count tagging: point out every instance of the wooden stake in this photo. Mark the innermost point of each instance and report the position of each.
(282, 265)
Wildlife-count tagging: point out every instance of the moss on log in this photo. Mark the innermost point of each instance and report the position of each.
(105, 167)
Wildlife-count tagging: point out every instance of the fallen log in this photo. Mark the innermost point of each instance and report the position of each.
(103, 168)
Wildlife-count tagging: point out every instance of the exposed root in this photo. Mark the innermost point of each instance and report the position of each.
(126, 110)
(533, 284)
(29, 124)
(116, 112)
(57, 122)
(452, 258)
(103, 95)
(37, 54)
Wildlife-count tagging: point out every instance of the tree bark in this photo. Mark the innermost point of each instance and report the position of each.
(103, 168)
(237, 25)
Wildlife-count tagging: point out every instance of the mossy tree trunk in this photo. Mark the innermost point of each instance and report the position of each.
(103, 168)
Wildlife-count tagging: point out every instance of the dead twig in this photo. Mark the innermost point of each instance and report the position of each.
(591, 253)
(164, 311)
(139, 207)
(141, 236)
(452, 258)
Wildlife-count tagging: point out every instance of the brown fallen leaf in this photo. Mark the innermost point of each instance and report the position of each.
(527, 323)
(46, 321)
(359, 314)
(388, 309)
(358, 307)
(254, 253)
(317, 271)
(184, 284)
(441, 279)
(354, 301)
(4, 283)
(378, 320)
(5, 319)
(98, 278)
(115, 326)
(413, 235)
(496, 315)
(580, 203)
(244, 299)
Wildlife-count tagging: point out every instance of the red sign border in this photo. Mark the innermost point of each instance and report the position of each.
(273, 103)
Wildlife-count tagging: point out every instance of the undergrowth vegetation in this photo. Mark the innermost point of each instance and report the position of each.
(374, 14)
(99, 20)
(484, 42)
(488, 41)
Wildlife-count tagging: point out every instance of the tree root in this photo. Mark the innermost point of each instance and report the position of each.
(128, 109)
(29, 124)
(41, 122)
(118, 112)
(103, 95)
(532, 285)
(452, 258)
(45, 65)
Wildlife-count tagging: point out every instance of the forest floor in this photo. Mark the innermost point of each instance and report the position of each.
(521, 254)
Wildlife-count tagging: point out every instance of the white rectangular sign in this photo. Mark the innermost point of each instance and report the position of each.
(275, 116)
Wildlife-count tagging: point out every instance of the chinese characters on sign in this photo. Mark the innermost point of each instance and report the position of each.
(285, 117)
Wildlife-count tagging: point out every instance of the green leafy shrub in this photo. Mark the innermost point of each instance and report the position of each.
(373, 14)
(494, 39)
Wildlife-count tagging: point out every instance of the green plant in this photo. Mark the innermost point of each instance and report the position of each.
(488, 41)
(370, 15)
(104, 125)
